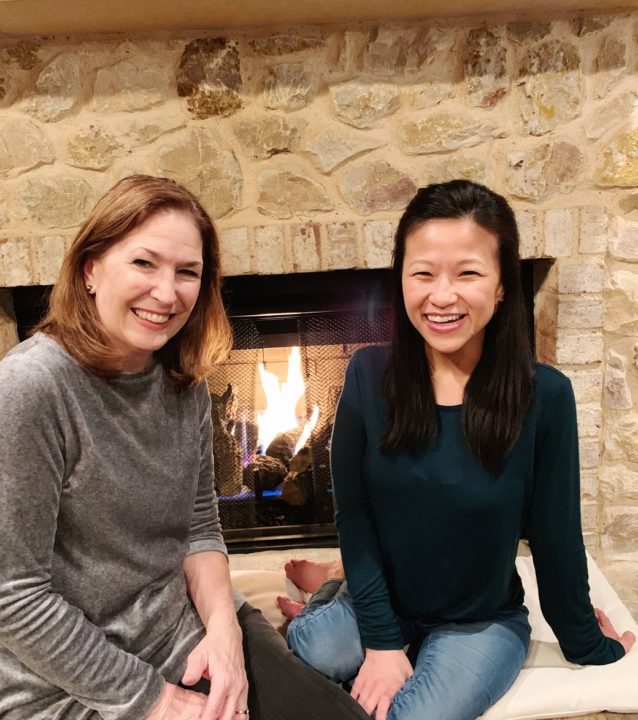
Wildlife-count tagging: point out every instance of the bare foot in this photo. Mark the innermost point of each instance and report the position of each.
(290, 608)
(309, 576)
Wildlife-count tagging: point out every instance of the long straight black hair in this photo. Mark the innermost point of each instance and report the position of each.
(499, 391)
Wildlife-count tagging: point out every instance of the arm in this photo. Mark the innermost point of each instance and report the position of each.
(45, 632)
(555, 535)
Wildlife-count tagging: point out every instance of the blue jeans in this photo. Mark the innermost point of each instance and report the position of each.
(460, 669)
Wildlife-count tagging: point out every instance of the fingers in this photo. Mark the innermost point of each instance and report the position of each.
(383, 707)
(195, 666)
(228, 692)
(627, 640)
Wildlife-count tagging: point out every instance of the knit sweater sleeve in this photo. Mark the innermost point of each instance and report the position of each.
(46, 633)
(205, 531)
(358, 539)
(554, 528)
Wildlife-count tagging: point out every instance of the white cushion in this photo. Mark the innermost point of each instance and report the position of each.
(548, 686)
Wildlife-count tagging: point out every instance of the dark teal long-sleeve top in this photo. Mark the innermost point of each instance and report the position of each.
(433, 535)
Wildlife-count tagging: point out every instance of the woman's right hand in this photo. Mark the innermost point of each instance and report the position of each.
(175, 703)
(627, 639)
(380, 678)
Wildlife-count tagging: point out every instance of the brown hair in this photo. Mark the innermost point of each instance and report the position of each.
(72, 319)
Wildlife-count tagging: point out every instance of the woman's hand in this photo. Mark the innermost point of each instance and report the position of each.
(219, 658)
(177, 704)
(381, 676)
(627, 639)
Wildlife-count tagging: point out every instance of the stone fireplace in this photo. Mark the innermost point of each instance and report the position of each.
(306, 141)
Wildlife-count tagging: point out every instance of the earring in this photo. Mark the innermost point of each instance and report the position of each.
(89, 289)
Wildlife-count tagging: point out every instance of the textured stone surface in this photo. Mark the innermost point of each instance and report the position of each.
(48, 253)
(306, 247)
(594, 229)
(372, 186)
(558, 232)
(610, 63)
(284, 44)
(621, 315)
(584, 25)
(539, 172)
(151, 126)
(93, 149)
(351, 48)
(24, 54)
(55, 201)
(427, 94)
(265, 136)
(620, 438)
(580, 313)
(529, 233)
(288, 87)
(23, 146)
(624, 245)
(459, 166)
(270, 250)
(8, 326)
(619, 484)
(579, 348)
(610, 115)
(378, 242)
(581, 278)
(58, 89)
(392, 51)
(484, 66)
(132, 84)
(620, 162)
(331, 148)
(15, 261)
(209, 77)
(550, 85)
(284, 193)
(587, 384)
(363, 104)
(617, 394)
(620, 535)
(589, 420)
(211, 172)
(235, 251)
(589, 452)
(525, 30)
(341, 245)
(442, 132)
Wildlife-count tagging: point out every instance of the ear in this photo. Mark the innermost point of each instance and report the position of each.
(500, 294)
(89, 278)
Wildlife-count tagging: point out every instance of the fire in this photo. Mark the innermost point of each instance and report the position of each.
(282, 399)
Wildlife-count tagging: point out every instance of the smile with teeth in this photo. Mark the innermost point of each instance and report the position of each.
(442, 319)
(151, 317)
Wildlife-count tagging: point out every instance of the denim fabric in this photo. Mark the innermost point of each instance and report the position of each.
(460, 669)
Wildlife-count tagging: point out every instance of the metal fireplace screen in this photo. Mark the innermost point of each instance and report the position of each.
(279, 491)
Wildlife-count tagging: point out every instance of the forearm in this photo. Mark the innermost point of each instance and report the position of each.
(209, 587)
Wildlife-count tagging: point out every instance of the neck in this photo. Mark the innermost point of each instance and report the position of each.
(451, 371)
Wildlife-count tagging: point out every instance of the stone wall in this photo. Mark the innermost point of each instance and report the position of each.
(306, 142)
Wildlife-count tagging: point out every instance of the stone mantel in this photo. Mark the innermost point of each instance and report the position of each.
(34, 17)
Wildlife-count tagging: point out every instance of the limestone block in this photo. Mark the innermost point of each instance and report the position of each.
(589, 484)
(550, 86)
(132, 84)
(373, 186)
(484, 64)
(351, 47)
(288, 87)
(587, 384)
(619, 484)
(48, 253)
(584, 25)
(459, 166)
(594, 229)
(209, 77)
(145, 128)
(581, 278)
(589, 515)
(539, 172)
(93, 149)
(394, 51)
(265, 136)
(621, 312)
(284, 44)
(270, 254)
(528, 30)
(442, 132)
(617, 394)
(589, 420)
(8, 326)
(620, 536)
(611, 115)
(340, 251)
(24, 54)
(580, 313)
(624, 246)
(579, 348)
(610, 64)
(306, 247)
(55, 201)
(529, 233)
(427, 94)
(620, 161)
(211, 172)
(378, 243)
(629, 203)
(620, 438)
(23, 146)
(331, 148)
(235, 251)
(364, 104)
(58, 89)
(284, 193)
(589, 454)
(559, 229)
(15, 261)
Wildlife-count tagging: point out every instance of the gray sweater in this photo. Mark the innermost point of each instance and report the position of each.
(105, 487)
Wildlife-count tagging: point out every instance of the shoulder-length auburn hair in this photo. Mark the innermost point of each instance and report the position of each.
(499, 391)
(72, 318)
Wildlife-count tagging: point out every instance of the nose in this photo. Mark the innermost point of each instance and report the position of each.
(442, 292)
(163, 289)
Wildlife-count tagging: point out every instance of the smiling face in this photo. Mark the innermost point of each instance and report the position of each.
(146, 286)
(451, 286)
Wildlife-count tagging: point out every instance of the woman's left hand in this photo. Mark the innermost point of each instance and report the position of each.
(219, 658)
(627, 639)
